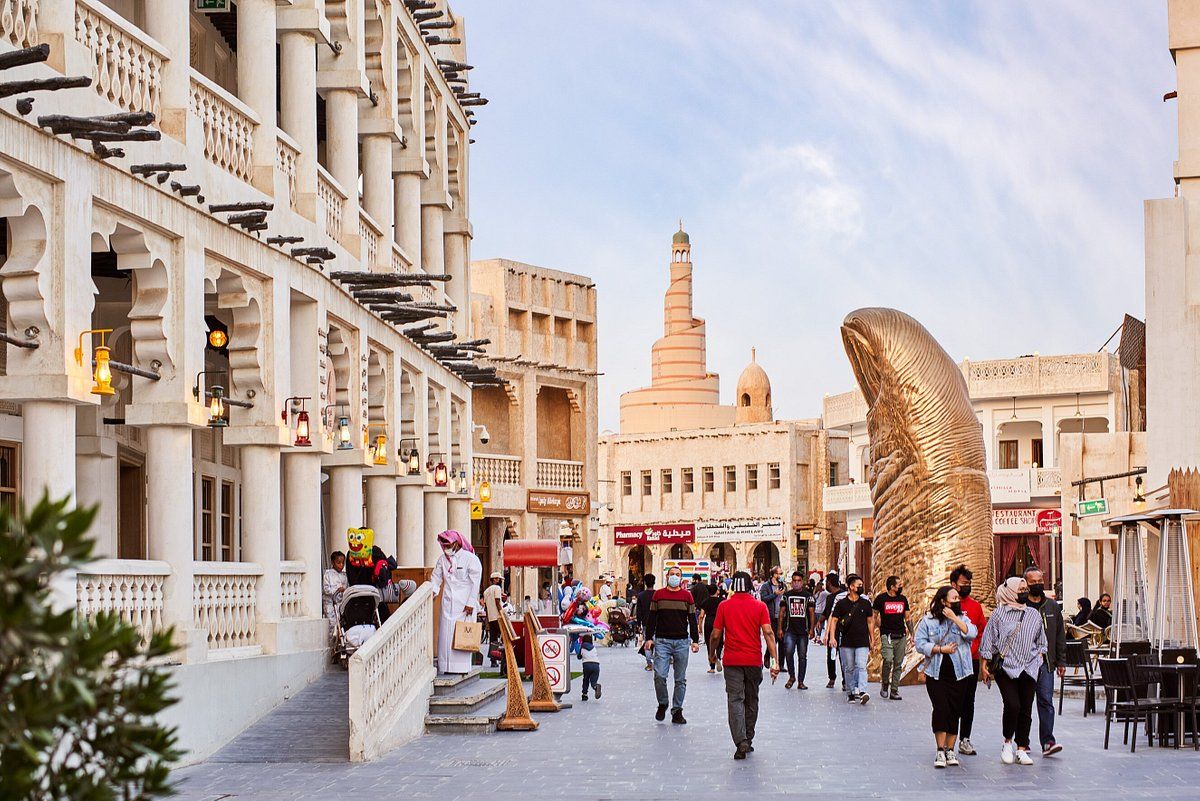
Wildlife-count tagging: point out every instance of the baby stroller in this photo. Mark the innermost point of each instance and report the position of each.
(620, 627)
(359, 607)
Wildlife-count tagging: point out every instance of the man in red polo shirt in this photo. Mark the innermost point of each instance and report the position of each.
(742, 623)
(960, 579)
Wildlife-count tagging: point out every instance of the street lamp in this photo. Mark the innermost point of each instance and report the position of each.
(379, 449)
(295, 405)
(216, 407)
(412, 457)
(485, 491)
(1139, 499)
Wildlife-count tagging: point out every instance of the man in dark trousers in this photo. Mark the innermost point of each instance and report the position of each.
(961, 579)
(743, 623)
(671, 629)
(699, 591)
(1052, 663)
(642, 611)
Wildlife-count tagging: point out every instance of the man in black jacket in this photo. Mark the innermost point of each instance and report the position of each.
(642, 611)
(1056, 652)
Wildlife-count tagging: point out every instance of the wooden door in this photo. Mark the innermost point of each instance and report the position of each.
(131, 511)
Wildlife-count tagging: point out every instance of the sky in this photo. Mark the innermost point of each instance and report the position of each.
(981, 166)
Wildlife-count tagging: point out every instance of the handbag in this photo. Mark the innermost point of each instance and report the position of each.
(467, 635)
(995, 662)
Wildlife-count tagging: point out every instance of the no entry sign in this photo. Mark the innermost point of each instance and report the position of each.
(557, 656)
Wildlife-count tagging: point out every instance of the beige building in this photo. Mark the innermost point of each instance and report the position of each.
(539, 456)
(689, 478)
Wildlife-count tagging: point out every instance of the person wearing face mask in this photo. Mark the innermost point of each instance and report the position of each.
(944, 637)
(891, 609)
(456, 576)
(669, 626)
(960, 579)
(852, 627)
(1056, 654)
(1012, 652)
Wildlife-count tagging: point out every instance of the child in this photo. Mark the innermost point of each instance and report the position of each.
(591, 665)
(333, 584)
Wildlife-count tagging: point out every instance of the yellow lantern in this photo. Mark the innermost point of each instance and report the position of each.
(485, 491)
(381, 449)
(216, 408)
(103, 373)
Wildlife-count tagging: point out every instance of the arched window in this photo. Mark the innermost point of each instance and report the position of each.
(745, 398)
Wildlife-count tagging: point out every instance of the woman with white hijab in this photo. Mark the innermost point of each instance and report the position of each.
(456, 576)
(1014, 644)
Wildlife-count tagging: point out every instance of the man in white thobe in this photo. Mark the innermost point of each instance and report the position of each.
(456, 576)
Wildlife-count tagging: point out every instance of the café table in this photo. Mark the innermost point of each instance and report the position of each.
(1180, 669)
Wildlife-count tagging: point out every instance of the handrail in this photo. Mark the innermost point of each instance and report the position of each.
(226, 569)
(126, 567)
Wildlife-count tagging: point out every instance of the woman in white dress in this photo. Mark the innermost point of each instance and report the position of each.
(456, 576)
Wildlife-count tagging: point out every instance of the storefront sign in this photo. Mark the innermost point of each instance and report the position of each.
(1009, 486)
(562, 503)
(739, 531)
(654, 535)
(1026, 521)
(1097, 506)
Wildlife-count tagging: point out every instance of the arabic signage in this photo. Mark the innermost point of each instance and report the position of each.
(562, 503)
(1009, 486)
(654, 535)
(1026, 521)
(739, 530)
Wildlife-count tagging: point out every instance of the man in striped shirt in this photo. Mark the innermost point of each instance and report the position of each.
(670, 625)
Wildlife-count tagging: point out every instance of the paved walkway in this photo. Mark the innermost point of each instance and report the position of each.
(809, 744)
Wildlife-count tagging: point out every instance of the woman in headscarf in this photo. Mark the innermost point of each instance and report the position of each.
(456, 576)
(1013, 647)
(1085, 611)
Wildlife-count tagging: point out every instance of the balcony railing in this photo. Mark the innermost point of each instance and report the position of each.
(291, 589)
(19, 22)
(1048, 481)
(286, 154)
(846, 498)
(1042, 375)
(497, 469)
(559, 474)
(132, 588)
(331, 202)
(844, 409)
(223, 603)
(372, 237)
(128, 62)
(228, 127)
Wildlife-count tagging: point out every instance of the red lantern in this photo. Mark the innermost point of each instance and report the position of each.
(302, 430)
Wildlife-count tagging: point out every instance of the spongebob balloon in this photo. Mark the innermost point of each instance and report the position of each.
(360, 542)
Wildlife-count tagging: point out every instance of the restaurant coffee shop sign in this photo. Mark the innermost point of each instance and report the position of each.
(562, 503)
(1026, 521)
(654, 534)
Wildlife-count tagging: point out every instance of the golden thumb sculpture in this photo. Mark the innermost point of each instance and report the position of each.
(929, 487)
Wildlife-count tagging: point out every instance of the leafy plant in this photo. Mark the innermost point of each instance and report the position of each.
(78, 697)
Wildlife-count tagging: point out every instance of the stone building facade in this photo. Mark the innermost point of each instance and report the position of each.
(343, 125)
(539, 460)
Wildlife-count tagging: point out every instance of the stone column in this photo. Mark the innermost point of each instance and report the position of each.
(170, 527)
(261, 533)
(298, 112)
(345, 504)
(433, 257)
(341, 146)
(458, 514)
(406, 214)
(256, 82)
(378, 193)
(436, 520)
(302, 522)
(48, 451)
(167, 22)
(457, 244)
(410, 535)
(381, 513)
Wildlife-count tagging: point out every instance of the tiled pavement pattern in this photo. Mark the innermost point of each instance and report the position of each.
(809, 744)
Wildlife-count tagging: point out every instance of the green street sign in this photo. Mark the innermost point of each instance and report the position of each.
(209, 6)
(1097, 506)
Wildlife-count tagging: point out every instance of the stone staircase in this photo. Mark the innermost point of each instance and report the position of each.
(465, 704)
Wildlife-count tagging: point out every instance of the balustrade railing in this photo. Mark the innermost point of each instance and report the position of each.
(1048, 480)
(332, 204)
(286, 154)
(372, 236)
(846, 497)
(1042, 375)
(19, 22)
(389, 674)
(559, 474)
(228, 127)
(132, 588)
(128, 62)
(497, 469)
(844, 409)
(223, 603)
(291, 589)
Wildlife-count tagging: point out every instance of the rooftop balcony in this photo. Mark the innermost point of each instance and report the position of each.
(1042, 375)
(845, 409)
(1008, 486)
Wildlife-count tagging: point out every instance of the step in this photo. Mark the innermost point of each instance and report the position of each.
(462, 724)
(478, 694)
(448, 685)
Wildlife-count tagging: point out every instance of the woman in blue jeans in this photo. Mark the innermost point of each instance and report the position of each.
(944, 637)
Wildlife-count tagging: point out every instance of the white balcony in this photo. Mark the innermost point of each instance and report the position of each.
(497, 469)
(845, 409)
(847, 498)
(1042, 375)
(559, 474)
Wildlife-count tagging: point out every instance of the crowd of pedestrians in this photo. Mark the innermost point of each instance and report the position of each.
(750, 628)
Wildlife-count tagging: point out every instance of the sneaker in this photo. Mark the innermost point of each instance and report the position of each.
(851, 698)
(712, 668)
(965, 748)
(661, 714)
(649, 667)
(829, 686)
(743, 748)
(863, 698)
(883, 693)
(597, 688)
(895, 695)
(790, 684)
(1023, 757)
(719, 666)
(677, 717)
(1008, 753)
(951, 758)
(939, 761)
(1051, 749)
(584, 697)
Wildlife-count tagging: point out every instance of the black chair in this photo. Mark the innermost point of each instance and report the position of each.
(1077, 660)
(1126, 701)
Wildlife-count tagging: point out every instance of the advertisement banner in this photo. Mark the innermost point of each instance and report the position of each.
(1026, 521)
(739, 531)
(654, 535)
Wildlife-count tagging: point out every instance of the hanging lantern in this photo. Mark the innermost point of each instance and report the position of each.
(414, 462)
(441, 476)
(216, 408)
(218, 339)
(381, 449)
(302, 430)
(485, 491)
(344, 443)
(462, 482)
(1139, 499)
(103, 373)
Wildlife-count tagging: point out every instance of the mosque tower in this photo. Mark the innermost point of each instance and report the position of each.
(682, 393)
(754, 394)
